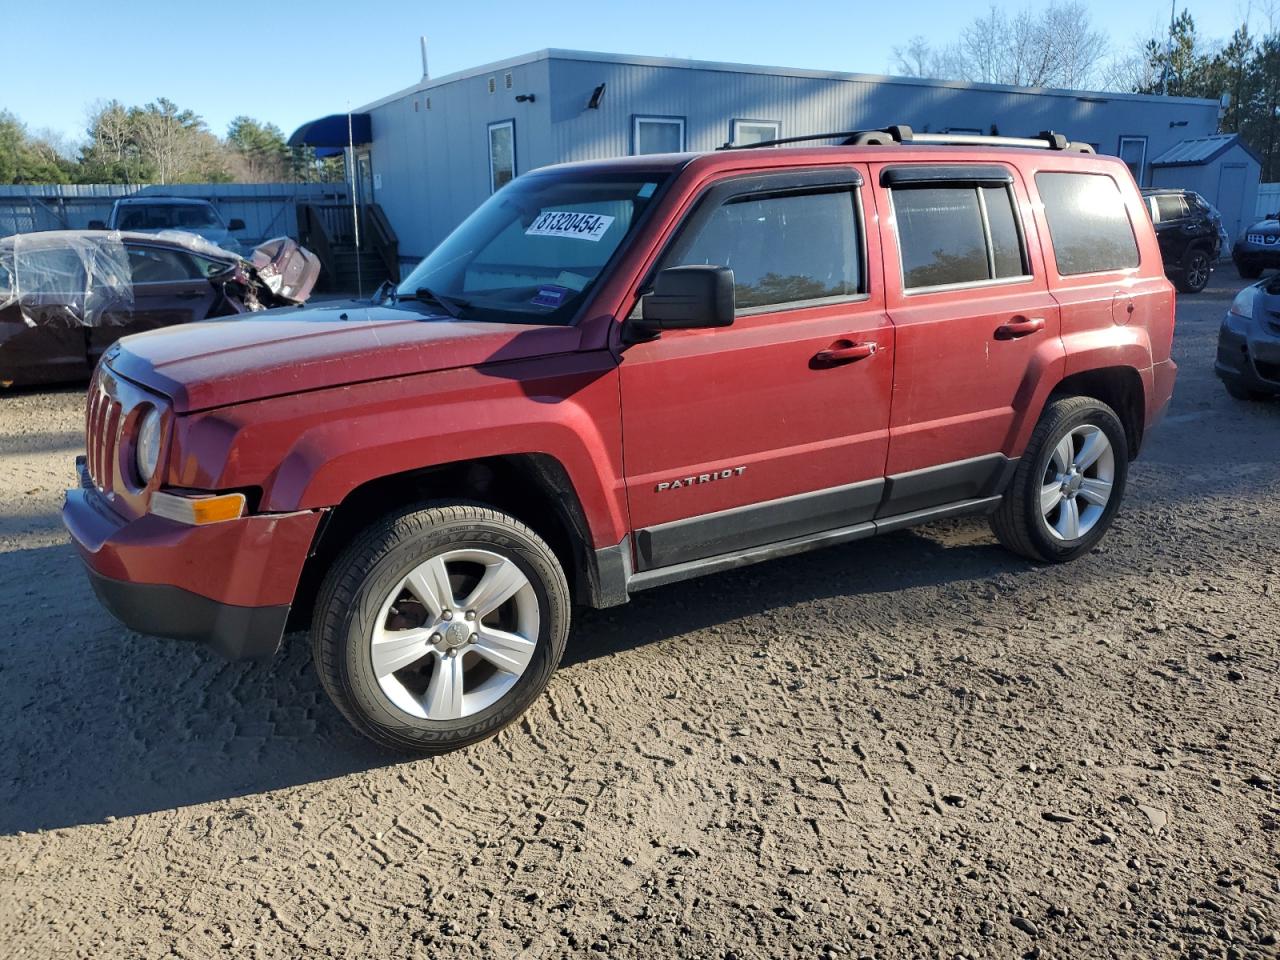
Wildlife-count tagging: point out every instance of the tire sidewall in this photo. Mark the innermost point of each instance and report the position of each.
(1102, 417)
(389, 723)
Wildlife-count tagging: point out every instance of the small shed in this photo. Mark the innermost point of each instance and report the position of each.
(1221, 168)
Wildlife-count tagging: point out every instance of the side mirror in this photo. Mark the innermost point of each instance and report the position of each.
(236, 224)
(97, 225)
(689, 298)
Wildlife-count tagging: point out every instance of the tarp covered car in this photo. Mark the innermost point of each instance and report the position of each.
(67, 295)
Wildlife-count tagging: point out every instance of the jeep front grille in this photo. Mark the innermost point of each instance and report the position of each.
(102, 433)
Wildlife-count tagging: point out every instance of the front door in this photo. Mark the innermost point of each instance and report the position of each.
(168, 287)
(976, 327)
(775, 427)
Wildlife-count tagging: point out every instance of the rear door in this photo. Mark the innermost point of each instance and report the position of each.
(775, 427)
(169, 286)
(976, 327)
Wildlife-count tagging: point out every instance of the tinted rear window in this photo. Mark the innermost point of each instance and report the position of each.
(1088, 223)
(943, 239)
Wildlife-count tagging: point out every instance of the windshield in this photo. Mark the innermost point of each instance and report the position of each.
(532, 251)
(168, 216)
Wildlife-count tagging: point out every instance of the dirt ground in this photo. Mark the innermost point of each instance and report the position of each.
(916, 746)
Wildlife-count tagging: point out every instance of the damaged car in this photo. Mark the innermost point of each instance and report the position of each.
(66, 296)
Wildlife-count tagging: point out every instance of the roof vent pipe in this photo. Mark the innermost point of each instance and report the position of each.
(426, 75)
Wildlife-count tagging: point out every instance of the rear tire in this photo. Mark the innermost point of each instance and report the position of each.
(1240, 392)
(1196, 268)
(440, 625)
(1068, 485)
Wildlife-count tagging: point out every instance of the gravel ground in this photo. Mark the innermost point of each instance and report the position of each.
(914, 746)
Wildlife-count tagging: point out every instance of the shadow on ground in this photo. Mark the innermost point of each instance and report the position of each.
(100, 722)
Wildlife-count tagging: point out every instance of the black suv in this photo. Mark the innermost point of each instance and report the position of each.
(1189, 231)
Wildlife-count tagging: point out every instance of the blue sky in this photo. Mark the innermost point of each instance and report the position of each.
(288, 64)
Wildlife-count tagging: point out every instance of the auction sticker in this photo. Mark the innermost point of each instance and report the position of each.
(580, 226)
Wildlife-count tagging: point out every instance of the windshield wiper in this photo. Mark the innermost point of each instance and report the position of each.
(452, 305)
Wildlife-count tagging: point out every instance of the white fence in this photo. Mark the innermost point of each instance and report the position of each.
(267, 209)
(1268, 200)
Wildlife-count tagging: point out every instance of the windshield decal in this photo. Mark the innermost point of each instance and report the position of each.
(580, 226)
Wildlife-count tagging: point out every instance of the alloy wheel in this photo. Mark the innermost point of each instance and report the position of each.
(455, 634)
(1198, 271)
(1077, 483)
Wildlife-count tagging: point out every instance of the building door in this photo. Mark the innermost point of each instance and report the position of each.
(364, 177)
(775, 427)
(1133, 151)
(1230, 199)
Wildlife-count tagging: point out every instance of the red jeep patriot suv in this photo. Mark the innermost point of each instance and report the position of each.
(615, 375)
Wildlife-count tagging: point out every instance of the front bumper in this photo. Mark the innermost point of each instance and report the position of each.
(1257, 256)
(1248, 354)
(229, 585)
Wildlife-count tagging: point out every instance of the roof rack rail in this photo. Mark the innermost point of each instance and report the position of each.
(900, 133)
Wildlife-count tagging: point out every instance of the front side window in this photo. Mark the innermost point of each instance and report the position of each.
(159, 265)
(746, 132)
(786, 248)
(658, 135)
(533, 250)
(1088, 223)
(502, 154)
(963, 233)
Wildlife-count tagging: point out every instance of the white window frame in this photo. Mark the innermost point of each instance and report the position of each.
(738, 122)
(1142, 164)
(638, 119)
(511, 125)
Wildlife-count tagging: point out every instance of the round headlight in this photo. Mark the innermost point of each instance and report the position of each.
(148, 446)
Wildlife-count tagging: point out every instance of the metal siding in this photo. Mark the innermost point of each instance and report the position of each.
(435, 165)
(709, 99)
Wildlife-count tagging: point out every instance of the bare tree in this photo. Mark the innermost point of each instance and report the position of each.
(1055, 46)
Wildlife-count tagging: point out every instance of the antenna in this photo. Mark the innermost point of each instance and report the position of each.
(355, 210)
(426, 74)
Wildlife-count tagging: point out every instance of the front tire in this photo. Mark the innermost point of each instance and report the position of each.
(1068, 484)
(439, 626)
(1249, 273)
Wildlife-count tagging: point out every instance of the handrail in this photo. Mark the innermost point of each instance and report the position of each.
(313, 235)
(384, 238)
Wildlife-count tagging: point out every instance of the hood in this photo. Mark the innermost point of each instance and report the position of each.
(1265, 227)
(295, 349)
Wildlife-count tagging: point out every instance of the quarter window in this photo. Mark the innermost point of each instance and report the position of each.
(966, 233)
(658, 135)
(1088, 223)
(784, 248)
(502, 154)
